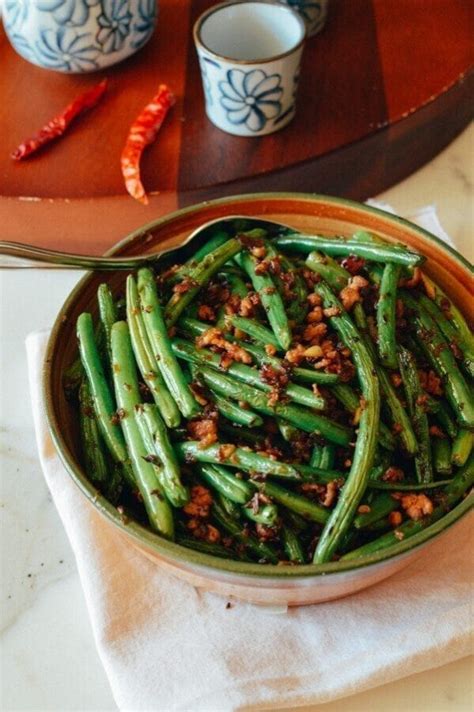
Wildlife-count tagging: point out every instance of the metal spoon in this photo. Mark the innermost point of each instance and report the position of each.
(15, 255)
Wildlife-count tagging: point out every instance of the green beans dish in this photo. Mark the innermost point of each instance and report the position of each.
(279, 398)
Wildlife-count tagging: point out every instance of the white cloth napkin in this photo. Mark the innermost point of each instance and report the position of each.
(167, 646)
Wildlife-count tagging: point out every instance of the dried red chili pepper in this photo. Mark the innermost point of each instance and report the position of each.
(142, 133)
(58, 125)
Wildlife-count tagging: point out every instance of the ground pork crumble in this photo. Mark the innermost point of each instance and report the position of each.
(230, 352)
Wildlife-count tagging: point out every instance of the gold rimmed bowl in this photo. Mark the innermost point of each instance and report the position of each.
(263, 584)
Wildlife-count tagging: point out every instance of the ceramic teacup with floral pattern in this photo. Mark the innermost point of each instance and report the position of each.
(249, 53)
(76, 36)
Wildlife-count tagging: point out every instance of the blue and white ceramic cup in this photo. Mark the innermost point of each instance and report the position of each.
(76, 36)
(249, 53)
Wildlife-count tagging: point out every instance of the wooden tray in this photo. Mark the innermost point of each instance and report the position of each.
(383, 89)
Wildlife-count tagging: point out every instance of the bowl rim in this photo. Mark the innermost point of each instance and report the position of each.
(172, 551)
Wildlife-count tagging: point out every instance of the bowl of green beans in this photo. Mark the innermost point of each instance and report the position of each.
(282, 413)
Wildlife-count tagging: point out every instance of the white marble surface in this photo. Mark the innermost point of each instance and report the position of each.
(49, 661)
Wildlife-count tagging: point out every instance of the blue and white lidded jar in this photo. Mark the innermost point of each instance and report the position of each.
(76, 36)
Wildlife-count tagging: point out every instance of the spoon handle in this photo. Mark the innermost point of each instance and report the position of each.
(15, 255)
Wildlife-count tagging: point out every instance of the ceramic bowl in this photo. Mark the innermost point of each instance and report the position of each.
(77, 36)
(268, 585)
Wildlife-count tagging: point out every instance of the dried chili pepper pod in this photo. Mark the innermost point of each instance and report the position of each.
(142, 133)
(57, 126)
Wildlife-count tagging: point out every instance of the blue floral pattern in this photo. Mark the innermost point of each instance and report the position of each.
(251, 98)
(114, 23)
(15, 12)
(66, 50)
(206, 84)
(78, 35)
(143, 28)
(313, 13)
(68, 12)
(23, 47)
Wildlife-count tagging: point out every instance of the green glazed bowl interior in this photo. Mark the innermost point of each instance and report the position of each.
(316, 213)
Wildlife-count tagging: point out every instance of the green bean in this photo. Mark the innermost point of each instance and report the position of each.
(382, 462)
(341, 391)
(316, 456)
(346, 395)
(256, 547)
(330, 270)
(154, 433)
(413, 392)
(193, 327)
(366, 236)
(442, 456)
(96, 465)
(236, 414)
(107, 313)
(102, 474)
(307, 375)
(266, 514)
(159, 339)
(220, 479)
(303, 418)
(318, 475)
(299, 374)
(294, 502)
(246, 374)
(450, 333)
(463, 480)
(242, 434)
(354, 488)
(443, 361)
(351, 402)
(292, 546)
(145, 358)
(205, 547)
(104, 406)
(297, 308)
(288, 432)
(231, 508)
(235, 283)
(382, 505)
(295, 521)
(239, 492)
(465, 337)
(340, 246)
(381, 525)
(443, 417)
(216, 240)
(407, 486)
(238, 288)
(72, 377)
(257, 331)
(386, 316)
(270, 298)
(246, 460)
(198, 277)
(128, 398)
(462, 447)
(327, 457)
(375, 272)
(397, 412)
(391, 401)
